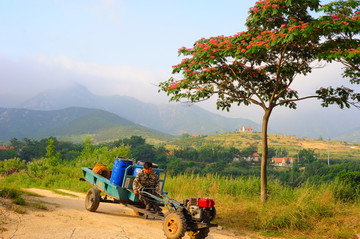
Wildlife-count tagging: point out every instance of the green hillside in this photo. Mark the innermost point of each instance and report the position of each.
(74, 124)
(121, 132)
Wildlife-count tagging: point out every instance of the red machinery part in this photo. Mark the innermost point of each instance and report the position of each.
(206, 203)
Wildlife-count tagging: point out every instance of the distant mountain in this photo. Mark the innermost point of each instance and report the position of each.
(172, 119)
(351, 136)
(175, 119)
(69, 122)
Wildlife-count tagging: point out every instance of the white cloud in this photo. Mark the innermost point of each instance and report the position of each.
(40, 73)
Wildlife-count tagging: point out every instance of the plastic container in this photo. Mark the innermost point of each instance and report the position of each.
(118, 171)
(137, 170)
(141, 165)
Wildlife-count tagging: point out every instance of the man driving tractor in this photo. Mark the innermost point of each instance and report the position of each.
(148, 181)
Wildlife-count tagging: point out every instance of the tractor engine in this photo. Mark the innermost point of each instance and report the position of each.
(201, 209)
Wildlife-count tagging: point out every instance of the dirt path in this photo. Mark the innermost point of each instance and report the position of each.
(66, 217)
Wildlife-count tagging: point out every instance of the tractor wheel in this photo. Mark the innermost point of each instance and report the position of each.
(174, 226)
(200, 234)
(92, 199)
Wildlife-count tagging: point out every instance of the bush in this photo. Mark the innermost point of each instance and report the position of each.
(9, 193)
(19, 201)
(11, 164)
(347, 186)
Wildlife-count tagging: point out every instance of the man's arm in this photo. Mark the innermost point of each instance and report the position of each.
(157, 187)
(136, 184)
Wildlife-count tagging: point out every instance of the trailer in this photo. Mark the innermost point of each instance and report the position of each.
(193, 215)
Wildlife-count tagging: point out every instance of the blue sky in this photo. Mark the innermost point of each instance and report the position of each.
(113, 47)
(140, 33)
(106, 39)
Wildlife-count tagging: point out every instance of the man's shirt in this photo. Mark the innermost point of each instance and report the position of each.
(146, 180)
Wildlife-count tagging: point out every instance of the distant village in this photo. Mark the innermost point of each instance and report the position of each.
(255, 158)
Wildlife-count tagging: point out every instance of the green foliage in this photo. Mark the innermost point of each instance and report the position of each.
(340, 28)
(140, 150)
(7, 154)
(9, 193)
(207, 153)
(91, 155)
(306, 156)
(19, 201)
(347, 186)
(12, 164)
(28, 149)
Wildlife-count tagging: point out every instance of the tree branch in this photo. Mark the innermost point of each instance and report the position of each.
(293, 100)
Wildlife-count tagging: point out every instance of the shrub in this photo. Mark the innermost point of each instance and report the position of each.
(9, 193)
(347, 186)
(19, 201)
(11, 164)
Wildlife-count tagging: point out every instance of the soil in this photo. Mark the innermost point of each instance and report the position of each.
(64, 216)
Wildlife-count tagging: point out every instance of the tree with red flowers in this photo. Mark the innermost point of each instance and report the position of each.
(340, 28)
(257, 66)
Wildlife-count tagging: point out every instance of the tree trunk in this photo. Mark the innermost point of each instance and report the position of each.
(264, 155)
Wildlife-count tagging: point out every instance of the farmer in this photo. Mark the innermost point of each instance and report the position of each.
(148, 181)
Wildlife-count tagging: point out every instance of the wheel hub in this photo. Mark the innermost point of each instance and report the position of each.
(172, 226)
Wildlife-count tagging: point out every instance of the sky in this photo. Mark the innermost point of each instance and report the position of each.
(116, 47)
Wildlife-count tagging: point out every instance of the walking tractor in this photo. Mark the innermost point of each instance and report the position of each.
(193, 215)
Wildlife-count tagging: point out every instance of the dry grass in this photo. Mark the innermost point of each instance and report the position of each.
(338, 150)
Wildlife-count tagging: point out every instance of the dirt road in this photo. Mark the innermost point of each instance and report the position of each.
(66, 217)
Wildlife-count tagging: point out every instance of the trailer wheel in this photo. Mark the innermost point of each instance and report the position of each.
(174, 226)
(200, 234)
(92, 199)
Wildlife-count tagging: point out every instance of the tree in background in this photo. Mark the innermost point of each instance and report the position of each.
(7, 153)
(256, 67)
(140, 150)
(306, 156)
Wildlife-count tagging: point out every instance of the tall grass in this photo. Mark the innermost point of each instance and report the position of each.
(309, 211)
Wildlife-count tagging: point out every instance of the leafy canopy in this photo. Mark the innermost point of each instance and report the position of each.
(259, 65)
(255, 66)
(340, 28)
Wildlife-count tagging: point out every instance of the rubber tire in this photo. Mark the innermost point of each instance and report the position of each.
(174, 226)
(92, 199)
(203, 233)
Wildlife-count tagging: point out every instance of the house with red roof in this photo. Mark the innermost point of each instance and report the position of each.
(284, 161)
(246, 129)
(6, 147)
(253, 158)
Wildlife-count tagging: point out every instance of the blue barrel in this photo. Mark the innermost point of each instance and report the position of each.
(136, 170)
(141, 164)
(118, 171)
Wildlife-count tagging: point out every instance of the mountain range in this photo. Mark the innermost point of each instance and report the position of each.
(70, 123)
(176, 119)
